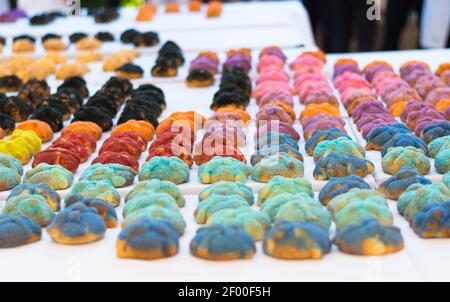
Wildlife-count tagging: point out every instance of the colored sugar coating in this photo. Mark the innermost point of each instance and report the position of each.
(157, 213)
(393, 187)
(290, 240)
(223, 168)
(369, 238)
(102, 189)
(18, 230)
(341, 165)
(119, 175)
(215, 203)
(433, 221)
(34, 207)
(58, 177)
(442, 162)
(400, 157)
(279, 185)
(278, 164)
(156, 186)
(105, 211)
(225, 188)
(148, 239)
(218, 242)
(42, 189)
(77, 224)
(253, 222)
(341, 145)
(152, 199)
(165, 168)
(417, 196)
(9, 178)
(337, 186)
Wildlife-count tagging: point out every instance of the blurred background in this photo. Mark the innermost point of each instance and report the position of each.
(341, 25)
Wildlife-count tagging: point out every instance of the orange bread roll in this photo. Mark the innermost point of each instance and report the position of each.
(314, 109)
(88, 127)
(142, 127)
(42, 129)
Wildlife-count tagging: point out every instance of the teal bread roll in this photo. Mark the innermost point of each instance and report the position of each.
(278, 164)
(9, 178)
(58, 177)
(157, 213)
(341, 165)
(34, 207)
(279, 185)
(153, 199)
(148, 239)
(405, 140)
(442, 162)
(165, 168)
(417, 196)
(360, 210)
(218, 242)
(253, 222)
(16, 230)
(322, 135)
(369, 238)
(10, 172)
(284, 148)
(296, 241)
(7, 161)
(303, 208)
(339, 202)
(433, 221)
(446, 179)
(105, 211)
(393, 187)
(101, 189)
(379, 136)
(157, 186)
(273, 205)
(340, 185)
(228, 188)
(77, 224)
(400, 157)
(216, 203)
(120, 176)
(223, 168)
(43, 189)
(438, 145)
(341, 145)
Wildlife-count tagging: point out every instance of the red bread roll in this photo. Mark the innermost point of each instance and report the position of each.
(83, 137)
(172, 138)
(121, 158)
(172, 150)
(121, 144)
(135, 136)
(75, 146)
(58, 156)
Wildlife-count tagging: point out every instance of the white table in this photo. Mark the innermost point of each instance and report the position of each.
(421, 260)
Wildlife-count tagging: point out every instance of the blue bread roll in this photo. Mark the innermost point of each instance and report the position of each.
(404, 140)
(379, 136)
(291, 240)
(322, 135)
(433, 131)
(148, 239)
(77, 224)
(218, 242)
(105, 210)
(393, 187)
(284, 148)
(433, 221)
(279, 164)
(369, 238)
(18, 230)
(101, 189)
(341, 165)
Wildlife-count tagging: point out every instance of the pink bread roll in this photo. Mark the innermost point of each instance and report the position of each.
(268, 86)
(306, 63)
(269, 60)
(301, 76)
(276, 96)
(357, 93)
(306, 89)
(320, 96)
(273, 75)
(350, 79)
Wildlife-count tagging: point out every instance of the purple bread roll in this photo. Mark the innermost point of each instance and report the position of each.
(320, 96)
(370, 73)
(370, 117)
(346, 68)
(369, 107)
(423, 123)
(438, 94)
(273, 51)
(415, 116)
(309, 130)
(426, 84)
(276, 96)
(322, 116)
(283, 128)
(411, 107)
(270, 113)
(413, 76)
(408, 68)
